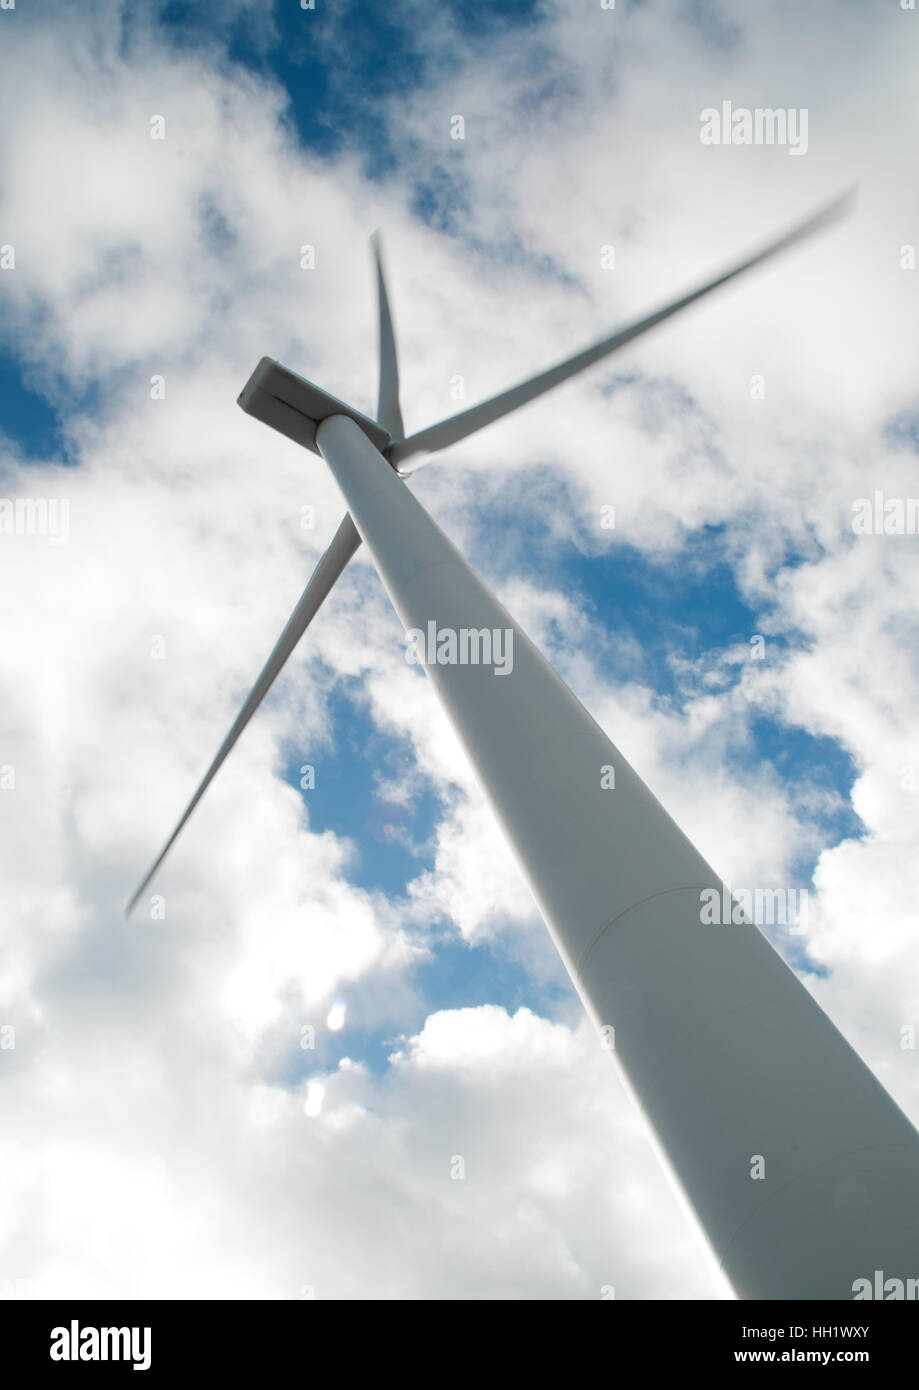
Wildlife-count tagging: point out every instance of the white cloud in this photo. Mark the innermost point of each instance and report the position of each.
(555, 1193)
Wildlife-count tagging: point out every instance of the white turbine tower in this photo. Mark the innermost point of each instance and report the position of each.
(735, 1066)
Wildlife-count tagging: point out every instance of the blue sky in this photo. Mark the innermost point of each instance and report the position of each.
(390, 890)
(27, 416)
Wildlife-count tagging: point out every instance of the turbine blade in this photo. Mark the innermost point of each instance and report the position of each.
(344, 543)
(389, 415)
(467, 422)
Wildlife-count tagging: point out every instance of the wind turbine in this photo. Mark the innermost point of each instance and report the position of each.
(801, 1170)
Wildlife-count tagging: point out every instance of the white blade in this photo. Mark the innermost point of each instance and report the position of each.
(467, 422)
(344, 543)
(389, 414)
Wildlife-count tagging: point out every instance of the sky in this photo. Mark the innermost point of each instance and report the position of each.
(261, 1086)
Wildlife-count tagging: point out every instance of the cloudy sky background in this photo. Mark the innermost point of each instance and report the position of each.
(165, 1131)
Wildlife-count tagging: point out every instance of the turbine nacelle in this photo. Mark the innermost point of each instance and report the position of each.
(296, 408)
